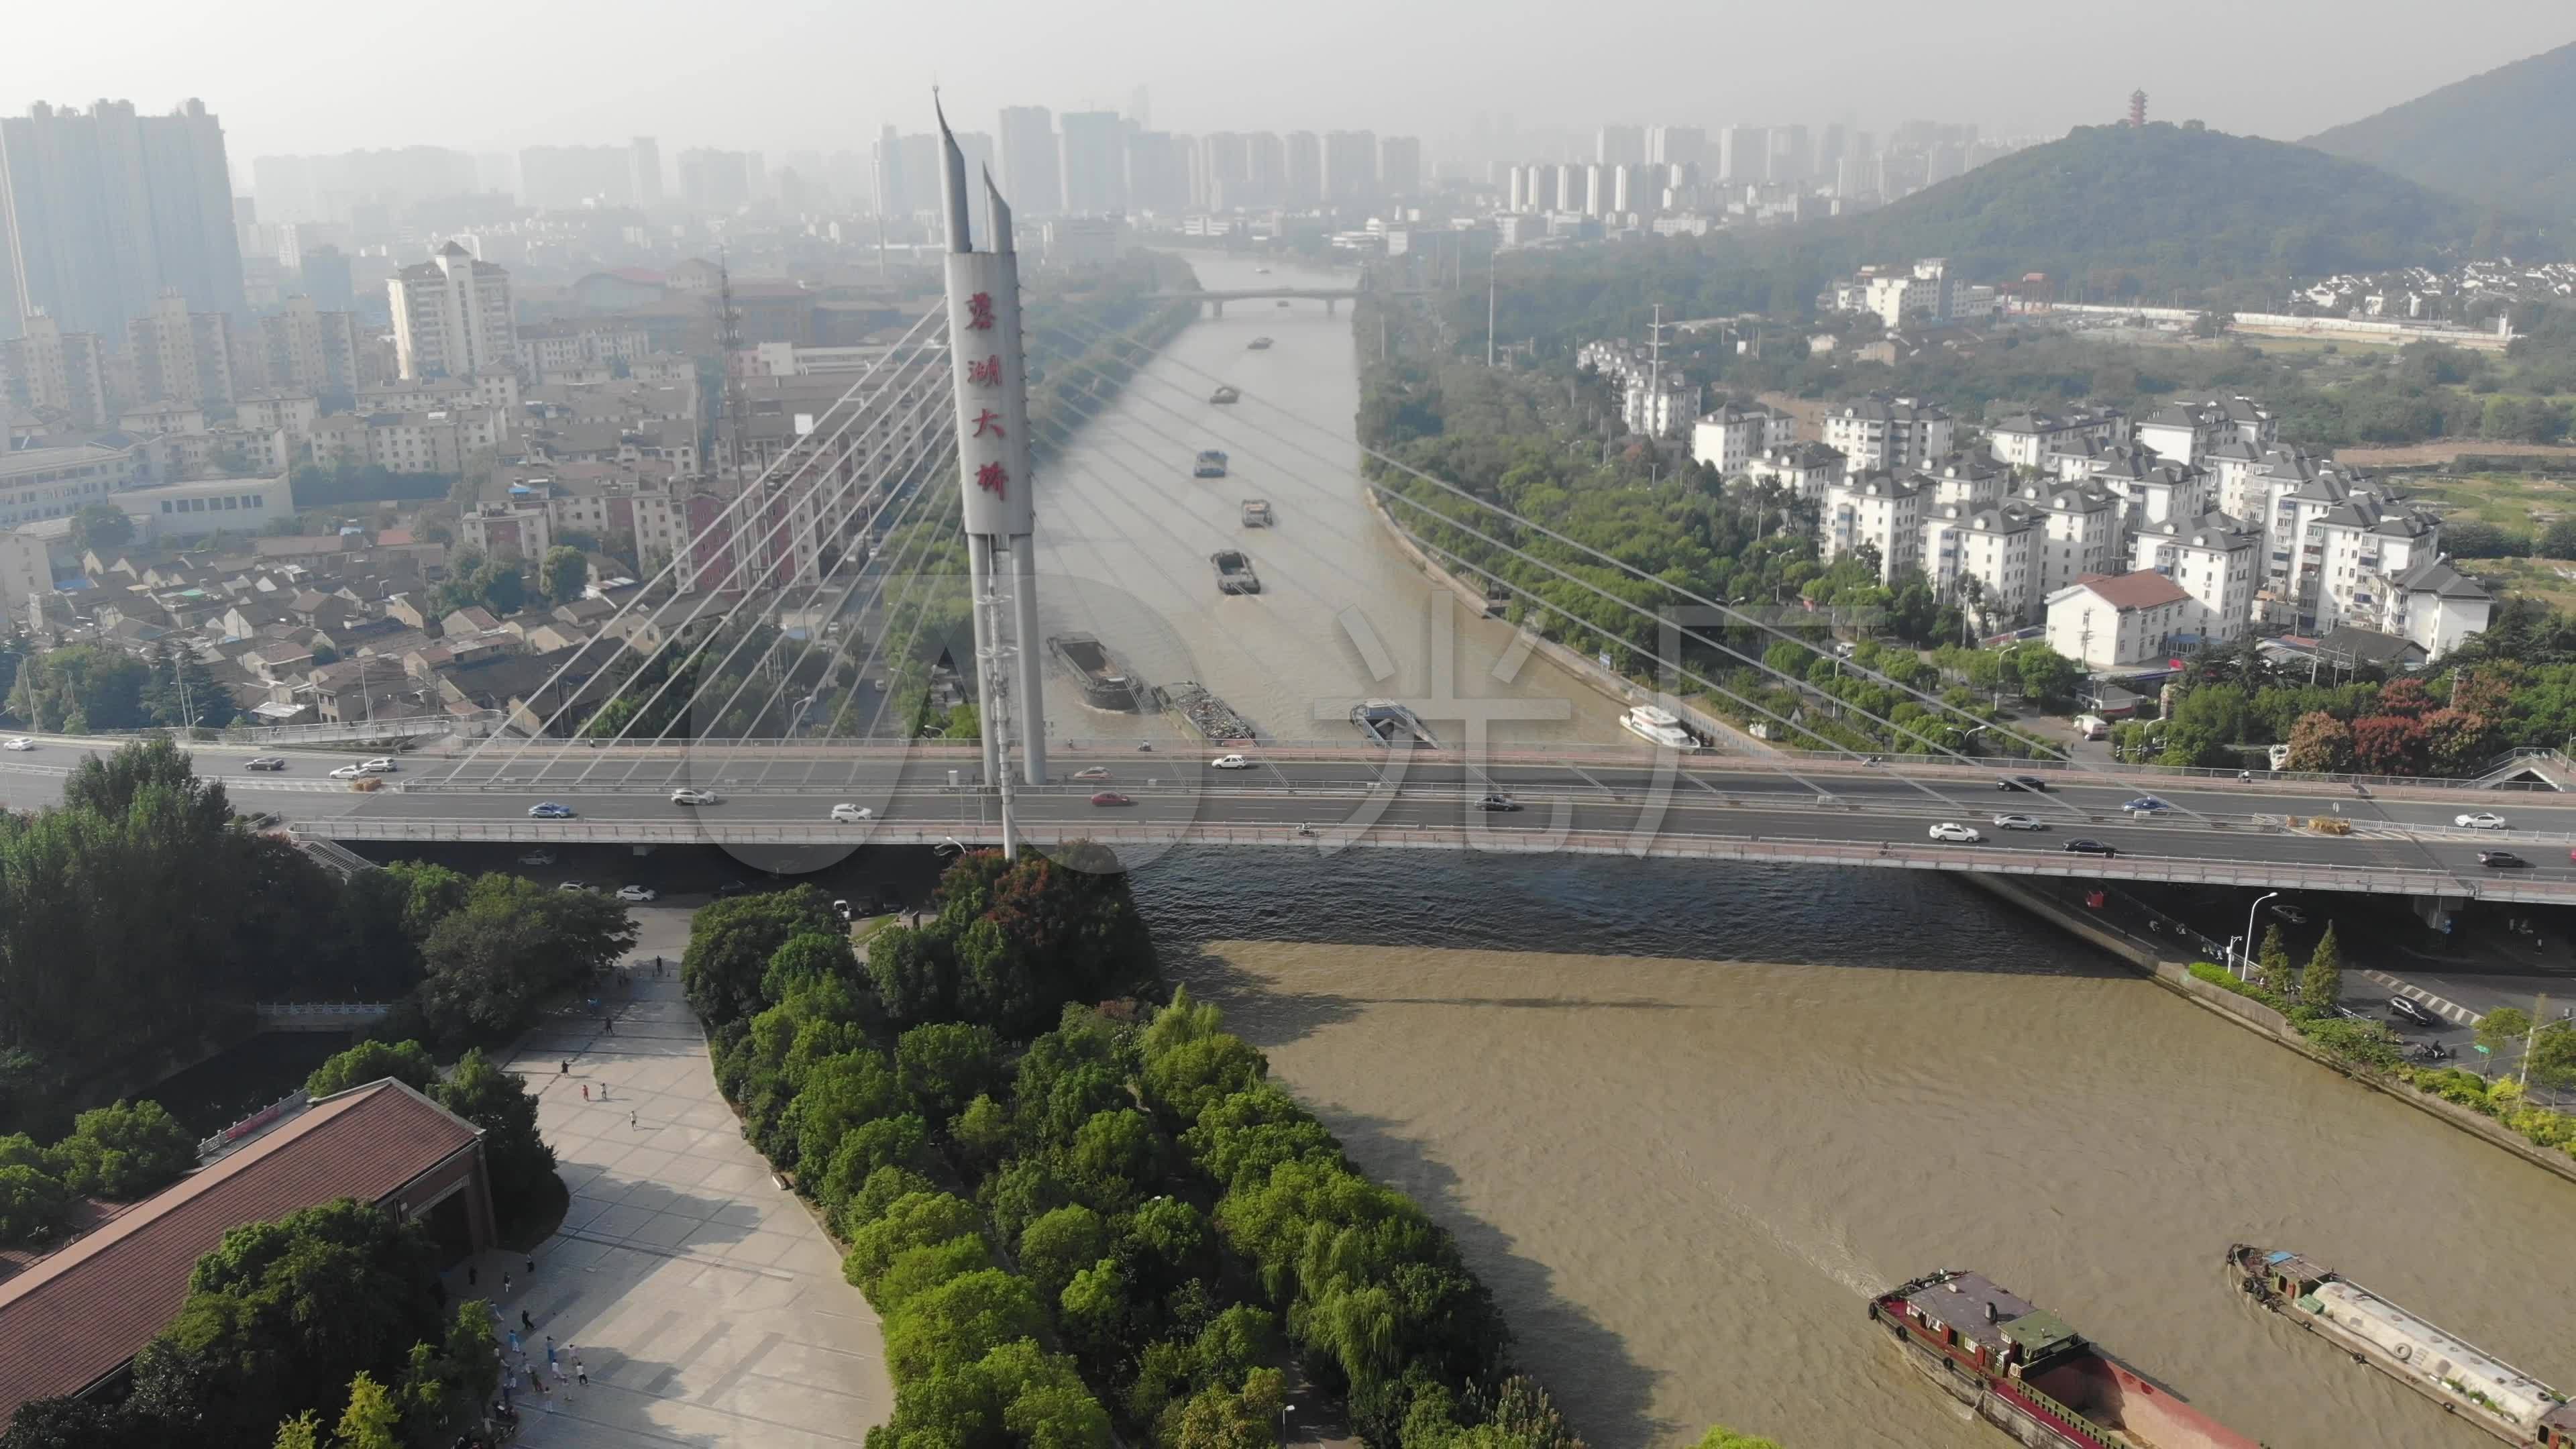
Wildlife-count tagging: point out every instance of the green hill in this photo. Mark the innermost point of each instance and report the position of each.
(2506, 137)
(2163, 207)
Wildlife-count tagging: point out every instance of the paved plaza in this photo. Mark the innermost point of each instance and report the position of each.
(704, 1300)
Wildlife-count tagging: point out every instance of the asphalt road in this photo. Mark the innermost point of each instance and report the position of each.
(1600, 791)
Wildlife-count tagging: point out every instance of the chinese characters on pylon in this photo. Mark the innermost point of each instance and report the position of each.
(979, 312)
(994, 479)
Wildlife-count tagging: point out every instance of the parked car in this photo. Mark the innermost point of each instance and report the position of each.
(1110, 797)
(635, 895)
(2289, 913)
(574, 885)
(549, 810)
(2481, 820)
(1092, 772)
(2406, 1008)
(2032, 783)
(538, 857)
(685, 795)
(848, 814)
(1231, 762)
(1498, 802)
(19, 742)
(2147, 805)
(734, 888)
(1956, 834)
(2020, 822)
(2502, 860)
(264, 762)
(2085, 845)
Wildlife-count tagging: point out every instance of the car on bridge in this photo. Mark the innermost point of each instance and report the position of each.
(636, 895)
(1092, 772)
(848, 814)
(2032, 783)
(2502, 860)
(2020, 822)
(1499, 803)
(19, 742)
(2147, 805)
(380, 765)
(1956, 834)
(2086, 845)
(1231, 762)
(550, 810)
(687, 795)
(2481, 820)
(1110, 797)
(265, 762)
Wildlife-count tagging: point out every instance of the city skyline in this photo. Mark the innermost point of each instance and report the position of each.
(684, 94)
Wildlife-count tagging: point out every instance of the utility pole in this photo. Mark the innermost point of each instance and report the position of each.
(1655, 362)
(2531, 1038)
(1489, 310)
(728, 340)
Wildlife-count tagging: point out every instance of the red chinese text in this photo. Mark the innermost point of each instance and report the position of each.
(995, 479)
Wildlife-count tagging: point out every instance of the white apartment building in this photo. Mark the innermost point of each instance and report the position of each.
(2187, 431)
(1880, 431)
(26, 574)
(452, 317)
(305, 347)
(53, 371)
(1966, 482)
(40, 483)
(2079, 533)
(2150, 490)
(2027, 440)
(183, 355)
(2103, 623)
(481, 390)
(1659, 405)
(1804, 469)
(2357, 552)
(285, 410)
(1993, 546)
(507, 530)
(2436, 606)
(441, 441)
(551, 352)
(1879, 510)
(2216, 559)
(210, 505)
(1732, 436)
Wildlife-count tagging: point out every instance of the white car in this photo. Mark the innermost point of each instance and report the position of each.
(2020, 822)
(847, 814)
(637, 895)
(1956, 833)
(348, 772)
(20, 742)
(380, 765)
(1231, 762)
(686, 796)
(538, 857)
(2482, 820)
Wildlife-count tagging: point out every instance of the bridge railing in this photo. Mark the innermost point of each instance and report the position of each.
(1750, 848)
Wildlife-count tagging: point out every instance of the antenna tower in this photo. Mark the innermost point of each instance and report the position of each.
(728, 346)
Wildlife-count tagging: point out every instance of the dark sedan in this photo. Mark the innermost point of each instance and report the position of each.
(2022, 782)
(1498, 802)
(2502, 860)
(2088, 846)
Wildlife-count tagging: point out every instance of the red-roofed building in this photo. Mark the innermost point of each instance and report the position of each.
(71, 1321)
(2102, 621)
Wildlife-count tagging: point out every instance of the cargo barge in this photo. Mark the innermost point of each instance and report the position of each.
(1105, 682)
(1210, 464)
(2466, 1381)
(1212, 718)
(1256, 513)
(1387, 722)
(2023, 1370)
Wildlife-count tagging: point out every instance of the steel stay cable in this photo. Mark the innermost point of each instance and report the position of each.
(928, 412)
(1613, 563)
(677, 555)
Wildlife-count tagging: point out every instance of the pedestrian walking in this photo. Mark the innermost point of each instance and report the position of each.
(603, 1091)
(548, 1390)
(515, 1350)
(581, 1373)
(469, 1275)
(585, 1092)
(631, 1122)
(567, 1068)
(532, 1265)
(505, 1285)
(550, 1351)
(526, 1322)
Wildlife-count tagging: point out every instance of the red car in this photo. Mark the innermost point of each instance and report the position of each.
(1110, 797)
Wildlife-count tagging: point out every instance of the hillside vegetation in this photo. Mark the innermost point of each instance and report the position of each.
(2507, 137)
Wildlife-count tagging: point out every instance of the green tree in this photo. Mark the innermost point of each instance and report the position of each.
(960, 1321)
(101, 528)
(499, 1102)
(945, 1065)
(2047, 676)
(731, 943)
(2321, 984)
(301, 1432)
(33, 1204)
(373, 1061)
(430, 892)
(2552, 1058)
(2503, 1029)
(510, 943)
(371, 1418)
(2272, 967)
(1720, 1437)
(566, 574)
(123, 1151)
(1060, 1244)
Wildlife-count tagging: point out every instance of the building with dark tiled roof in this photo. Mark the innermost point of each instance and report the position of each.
(72, 1320)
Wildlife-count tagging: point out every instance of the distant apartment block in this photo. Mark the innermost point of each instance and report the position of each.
(101, 212)
(452, 316)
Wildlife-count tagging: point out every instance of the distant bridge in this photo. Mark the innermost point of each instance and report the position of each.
(1331, 297)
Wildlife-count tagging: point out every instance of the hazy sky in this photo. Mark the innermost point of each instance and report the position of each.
(305, 75)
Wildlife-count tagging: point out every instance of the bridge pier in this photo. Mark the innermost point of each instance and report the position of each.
(2437, 911)
(1332, 306)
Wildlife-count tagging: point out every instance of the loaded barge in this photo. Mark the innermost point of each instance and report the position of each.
(2465, 1381)
(1105, 682)
(1388, 722)
(1212, 717)
(2022, 1369)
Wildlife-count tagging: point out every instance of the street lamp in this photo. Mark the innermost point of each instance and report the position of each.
(1284, 1410)
(2245, 959)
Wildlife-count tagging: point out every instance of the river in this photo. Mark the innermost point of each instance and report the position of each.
(1684, 1119)
(1125, 532)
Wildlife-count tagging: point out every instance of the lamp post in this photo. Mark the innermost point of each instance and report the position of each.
(2245, 959)
(1284, 1410)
